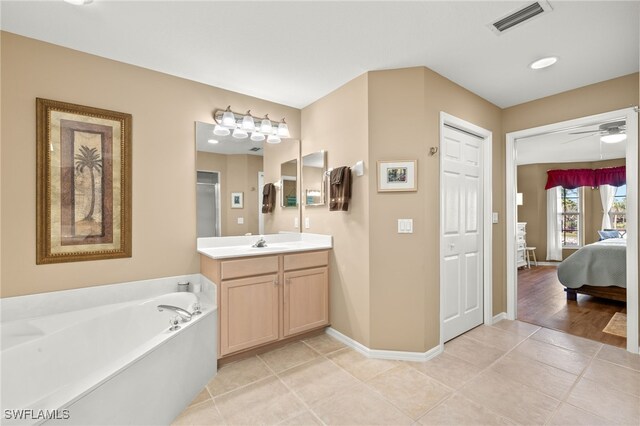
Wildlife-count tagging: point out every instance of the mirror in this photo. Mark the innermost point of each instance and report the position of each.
(289, 182)
(314, 167)
(231, 174)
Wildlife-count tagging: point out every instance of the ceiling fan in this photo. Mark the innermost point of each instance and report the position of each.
(612, 132)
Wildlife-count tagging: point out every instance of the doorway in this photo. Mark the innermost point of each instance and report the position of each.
(629, 116)
(208, 204)
(465, 226)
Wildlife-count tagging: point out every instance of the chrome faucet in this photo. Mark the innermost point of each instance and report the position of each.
(185, 315)
(260, 243)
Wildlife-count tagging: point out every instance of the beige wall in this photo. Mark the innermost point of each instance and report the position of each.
(398, 305)
(238, 173)
(164, 110)
(532, 179)
(338, 123)
(404, 268)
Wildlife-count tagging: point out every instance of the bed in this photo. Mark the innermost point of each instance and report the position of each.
(598, 269)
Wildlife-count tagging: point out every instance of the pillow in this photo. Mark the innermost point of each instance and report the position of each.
(605, 235)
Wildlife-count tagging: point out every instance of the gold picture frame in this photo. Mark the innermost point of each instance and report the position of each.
(397, 175)
(83, 183)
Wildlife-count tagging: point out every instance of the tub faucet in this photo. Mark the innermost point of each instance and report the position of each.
(185, 315)
(260, 243)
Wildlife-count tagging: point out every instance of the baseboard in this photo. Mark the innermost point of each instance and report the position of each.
(501, 316)
(383, 354)
(548, 263)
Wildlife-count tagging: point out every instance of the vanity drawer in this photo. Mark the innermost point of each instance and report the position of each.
(306, 260)
(249, 267)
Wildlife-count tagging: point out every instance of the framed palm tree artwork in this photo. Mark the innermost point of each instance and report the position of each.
(83, 177)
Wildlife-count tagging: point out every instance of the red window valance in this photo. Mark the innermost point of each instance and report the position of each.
(575, 178)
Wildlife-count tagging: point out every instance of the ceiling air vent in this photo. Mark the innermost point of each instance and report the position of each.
(520, 16)
(255, 149)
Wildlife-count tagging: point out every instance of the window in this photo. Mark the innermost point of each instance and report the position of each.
(618, 212)
(570, 217)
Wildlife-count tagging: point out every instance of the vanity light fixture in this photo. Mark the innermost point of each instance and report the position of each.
(221, 131)
(228, 118)
(240, 134)
(247, 122)
(240, 125)
(543, 63)
(273, 139)
(265, 125)
(257, 137)
(283, 129)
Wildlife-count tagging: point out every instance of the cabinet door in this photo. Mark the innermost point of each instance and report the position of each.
(306, 300)
(248, 313)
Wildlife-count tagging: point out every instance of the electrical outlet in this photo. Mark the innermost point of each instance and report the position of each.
(296, 222)
(307, 223)
(241, 221)
(494, 217)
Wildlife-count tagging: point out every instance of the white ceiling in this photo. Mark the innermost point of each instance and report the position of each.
(565, 147)
(297, 52)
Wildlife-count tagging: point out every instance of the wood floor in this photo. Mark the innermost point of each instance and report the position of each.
(542, 301)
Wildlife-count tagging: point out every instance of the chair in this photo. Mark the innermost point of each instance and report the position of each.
(531, 251)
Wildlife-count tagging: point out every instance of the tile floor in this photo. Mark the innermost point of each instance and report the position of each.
(508, 373)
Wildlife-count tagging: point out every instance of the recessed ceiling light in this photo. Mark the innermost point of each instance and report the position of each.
(79, 2)
(214, 141)
(543, 63)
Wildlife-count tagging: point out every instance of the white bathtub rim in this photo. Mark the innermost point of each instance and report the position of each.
(69, 394)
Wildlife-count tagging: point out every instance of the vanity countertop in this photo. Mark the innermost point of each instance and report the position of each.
(231, 247)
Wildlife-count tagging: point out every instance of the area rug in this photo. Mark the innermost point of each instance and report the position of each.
(617, 325)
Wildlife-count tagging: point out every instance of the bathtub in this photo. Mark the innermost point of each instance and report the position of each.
(112, 364)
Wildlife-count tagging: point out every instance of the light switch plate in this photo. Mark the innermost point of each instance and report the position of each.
(241, 221)
(405, 226)
(494, 217)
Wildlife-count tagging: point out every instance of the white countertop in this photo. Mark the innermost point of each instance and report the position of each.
(230, 247)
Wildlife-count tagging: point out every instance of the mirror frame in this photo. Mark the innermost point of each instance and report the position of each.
(323, 184)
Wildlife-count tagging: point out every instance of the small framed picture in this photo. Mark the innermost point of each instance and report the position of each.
(237, 200)
(401, 175)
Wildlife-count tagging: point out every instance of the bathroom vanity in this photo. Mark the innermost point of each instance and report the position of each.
(267, 294)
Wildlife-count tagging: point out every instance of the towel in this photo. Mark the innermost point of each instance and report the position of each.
(268, 198)
(340, 189)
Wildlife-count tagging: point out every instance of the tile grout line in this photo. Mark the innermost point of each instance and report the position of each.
(575, 383)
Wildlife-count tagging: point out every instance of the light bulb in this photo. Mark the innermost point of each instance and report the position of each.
(240, 134)
(221, 131)
(257, 137)
(247, 122)
(229, 118)
(265, 125)
(273, 139)
(213, 141)
(283, 129)
(613, 138)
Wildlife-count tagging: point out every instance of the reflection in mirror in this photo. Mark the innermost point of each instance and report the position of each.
(226, 166)
(289, 181)
(314, 166)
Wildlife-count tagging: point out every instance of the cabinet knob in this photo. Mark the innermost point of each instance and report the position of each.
(275, 281)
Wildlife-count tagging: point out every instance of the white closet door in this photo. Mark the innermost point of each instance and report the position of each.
(461, 232)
